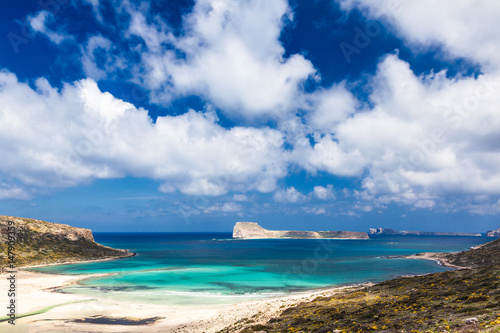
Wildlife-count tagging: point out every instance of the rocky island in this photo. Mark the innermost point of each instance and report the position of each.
(383, 231)
(32, 242)
(252, 230)
(493, 233)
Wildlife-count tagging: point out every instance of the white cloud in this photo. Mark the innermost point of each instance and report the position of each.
(324, 193)
(329, 107)
(485, 208)
(330, 155)
(39, 22)
(52, 138)
(10, 191)
(463, 28)
(232, 56)
(240, 197)
(109, 63)
(315, 210)
(425, 136)
(417, 140)
(95, 7)
(289, 195)
(228, 207)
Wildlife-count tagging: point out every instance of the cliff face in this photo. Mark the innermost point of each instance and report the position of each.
(251, 230)
(62, 231)
(493, 233)
(382, 231)
(38, 242)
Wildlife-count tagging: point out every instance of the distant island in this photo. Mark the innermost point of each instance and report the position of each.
(35, 242)
(382, 231)
(252, 230)
(493, 233)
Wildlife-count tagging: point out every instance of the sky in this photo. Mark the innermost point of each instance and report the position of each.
(177, 115)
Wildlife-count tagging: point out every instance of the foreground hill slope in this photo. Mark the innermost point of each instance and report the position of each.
(465, 300)
(251, 230)
(38, 242)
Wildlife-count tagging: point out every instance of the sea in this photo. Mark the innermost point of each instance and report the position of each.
(213, 268)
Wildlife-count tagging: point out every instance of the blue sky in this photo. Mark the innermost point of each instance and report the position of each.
(192, 115)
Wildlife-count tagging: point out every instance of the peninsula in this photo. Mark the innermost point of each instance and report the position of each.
(383, 231)
(29, 242)
(251, 230)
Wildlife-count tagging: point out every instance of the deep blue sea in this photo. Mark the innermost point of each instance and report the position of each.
(211, 268)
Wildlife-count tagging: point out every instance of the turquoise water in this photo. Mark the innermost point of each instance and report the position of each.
(212, 268)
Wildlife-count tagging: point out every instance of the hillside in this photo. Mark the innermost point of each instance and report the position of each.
(466, 300)
(251, 230)
(479, 256)
(38, 242)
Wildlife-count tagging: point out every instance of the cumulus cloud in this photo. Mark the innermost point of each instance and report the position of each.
(462, 28)
(228, 56)
(54, 138)
(330, 155)
(290, 195)
(324, 193)
(416, 141)
(426, 136)
(329, 107)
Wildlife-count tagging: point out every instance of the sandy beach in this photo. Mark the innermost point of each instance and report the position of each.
(37, 291)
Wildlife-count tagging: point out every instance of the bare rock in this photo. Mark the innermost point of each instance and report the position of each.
(472, 320)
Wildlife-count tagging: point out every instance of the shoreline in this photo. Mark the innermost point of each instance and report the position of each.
(41, 290)
(71, 262)
(434, 256)
(75, 312)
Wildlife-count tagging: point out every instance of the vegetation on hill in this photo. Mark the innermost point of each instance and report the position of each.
(466, 300)
(483, 255)
(38, 243)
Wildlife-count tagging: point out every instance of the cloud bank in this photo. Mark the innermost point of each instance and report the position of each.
(417, 140)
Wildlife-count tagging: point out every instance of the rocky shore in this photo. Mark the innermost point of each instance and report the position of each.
(28, 242)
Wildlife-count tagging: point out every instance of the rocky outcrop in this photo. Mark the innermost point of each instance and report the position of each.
(251, 230)
(382, 231)
(62, 231)
(35, 242)
(493, 233)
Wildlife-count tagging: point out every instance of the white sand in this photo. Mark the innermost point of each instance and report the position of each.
(35, 291)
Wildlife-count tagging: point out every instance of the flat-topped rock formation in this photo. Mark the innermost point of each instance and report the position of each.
(382, 231)
(35, 242)
(493, 233)
(251, 230)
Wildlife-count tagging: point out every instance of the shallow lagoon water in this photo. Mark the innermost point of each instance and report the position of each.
(213, 268)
